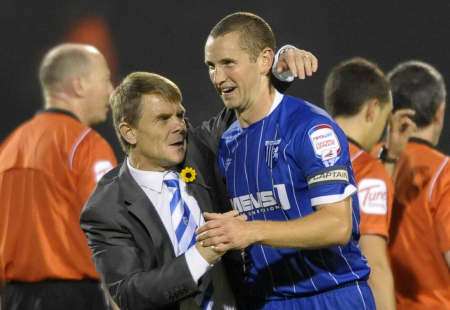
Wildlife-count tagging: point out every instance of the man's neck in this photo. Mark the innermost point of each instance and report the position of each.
(258, 109)
(139, 162)
(353, 129)
(59, 102)
(427, 134)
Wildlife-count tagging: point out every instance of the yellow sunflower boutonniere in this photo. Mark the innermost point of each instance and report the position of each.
(188, 174)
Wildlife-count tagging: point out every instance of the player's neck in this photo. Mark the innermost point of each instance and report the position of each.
(428, 134)
(62, 103)
(354, 130)
(258, 109)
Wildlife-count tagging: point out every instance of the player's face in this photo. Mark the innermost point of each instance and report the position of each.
(99, 88)
(160, 134)
(235, 76)
(382, 120)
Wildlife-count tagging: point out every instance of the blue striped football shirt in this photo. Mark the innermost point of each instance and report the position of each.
(278, 169)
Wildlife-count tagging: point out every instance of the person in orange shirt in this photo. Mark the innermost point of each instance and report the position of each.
(420, 229)
(357, 95)
(48, 167)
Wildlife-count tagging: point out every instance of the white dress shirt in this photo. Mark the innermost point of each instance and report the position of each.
(152, 184)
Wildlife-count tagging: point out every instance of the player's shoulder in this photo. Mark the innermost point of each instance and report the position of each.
(423, 153)
(367, 166)
(301, 115)
(232, 132)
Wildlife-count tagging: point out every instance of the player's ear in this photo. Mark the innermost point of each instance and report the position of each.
(440, 114)
(128, 133)
(372, 110)
(265, 60)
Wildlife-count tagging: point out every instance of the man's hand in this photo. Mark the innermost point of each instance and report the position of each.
(300, 63)
(225, 231)
(210, 254)
(401, 127)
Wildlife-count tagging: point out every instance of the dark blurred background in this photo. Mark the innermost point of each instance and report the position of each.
(167, 37)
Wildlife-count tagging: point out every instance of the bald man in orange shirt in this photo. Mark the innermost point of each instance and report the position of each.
(48, 167)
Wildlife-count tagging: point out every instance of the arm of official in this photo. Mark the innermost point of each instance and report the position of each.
(381, 281)
(375, 193)
(401, 127)
(440, 198)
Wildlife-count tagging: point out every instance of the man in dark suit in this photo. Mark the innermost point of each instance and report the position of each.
(136, 241)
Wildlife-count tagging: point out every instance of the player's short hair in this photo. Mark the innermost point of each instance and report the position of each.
(418, 86)
(351, 83)
(255, 33)
(62, 62)
(126, 100)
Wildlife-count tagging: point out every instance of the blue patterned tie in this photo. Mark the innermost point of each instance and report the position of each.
(182, 220)
(184, 224)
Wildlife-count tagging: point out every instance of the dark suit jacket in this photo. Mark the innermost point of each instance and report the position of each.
(130, 245)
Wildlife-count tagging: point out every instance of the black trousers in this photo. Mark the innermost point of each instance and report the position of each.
(54, 295)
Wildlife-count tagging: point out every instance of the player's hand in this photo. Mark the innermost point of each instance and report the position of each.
(401, 127)
(299, 62)
(224, 232)
(210, 254)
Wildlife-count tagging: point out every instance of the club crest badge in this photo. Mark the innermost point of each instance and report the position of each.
(272, 152)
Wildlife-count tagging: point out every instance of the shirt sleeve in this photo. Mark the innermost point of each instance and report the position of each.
(197, 265)
(441, 200)
(93, 158)
(321, 152)
(375, 195)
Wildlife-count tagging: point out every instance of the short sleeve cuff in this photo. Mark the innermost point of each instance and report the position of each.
(349, 190)
(197, 265)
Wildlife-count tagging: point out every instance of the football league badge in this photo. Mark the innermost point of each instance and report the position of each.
(325, 144)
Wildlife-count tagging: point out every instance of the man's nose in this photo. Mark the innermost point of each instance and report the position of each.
(180, 126)
(219, 76)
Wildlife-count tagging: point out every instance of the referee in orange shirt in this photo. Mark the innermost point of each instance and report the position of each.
(420, 230)
(357, 95)
(48, 167)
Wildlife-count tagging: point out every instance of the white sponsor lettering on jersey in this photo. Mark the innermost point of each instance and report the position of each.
(372, 196)
(264, 200)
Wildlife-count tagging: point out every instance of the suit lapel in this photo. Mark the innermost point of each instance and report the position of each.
(198, 187)
(141, 207)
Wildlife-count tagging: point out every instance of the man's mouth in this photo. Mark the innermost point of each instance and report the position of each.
(227, 90)
(178, 143)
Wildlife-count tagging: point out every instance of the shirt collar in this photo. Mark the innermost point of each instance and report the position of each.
(276, 101)
(150, 179)
(354, 143)
(60, 111)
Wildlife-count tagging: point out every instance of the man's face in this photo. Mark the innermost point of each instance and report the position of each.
(382, 120)
(235, 76)
(160, 134)
(98, 90)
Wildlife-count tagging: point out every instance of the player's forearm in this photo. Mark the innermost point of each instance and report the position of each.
(323, 228)
(381, 281)
(382, 284)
